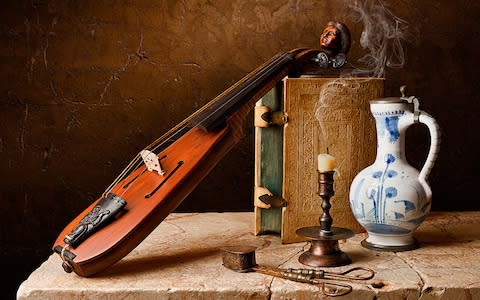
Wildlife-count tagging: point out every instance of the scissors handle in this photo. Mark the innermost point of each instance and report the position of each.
(357, 273)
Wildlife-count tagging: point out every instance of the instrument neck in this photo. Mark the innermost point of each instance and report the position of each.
(246, 91)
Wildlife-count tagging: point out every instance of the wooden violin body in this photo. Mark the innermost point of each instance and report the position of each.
(102, 235)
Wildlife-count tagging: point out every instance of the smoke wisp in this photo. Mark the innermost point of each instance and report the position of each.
(381, 37)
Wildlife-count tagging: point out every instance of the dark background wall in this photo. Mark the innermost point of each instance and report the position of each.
(85, 85)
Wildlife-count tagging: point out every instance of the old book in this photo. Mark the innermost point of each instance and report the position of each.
(322, 115)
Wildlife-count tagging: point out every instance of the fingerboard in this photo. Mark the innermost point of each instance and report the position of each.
(214, 113)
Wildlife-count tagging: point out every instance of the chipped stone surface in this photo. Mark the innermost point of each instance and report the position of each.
(181, 259)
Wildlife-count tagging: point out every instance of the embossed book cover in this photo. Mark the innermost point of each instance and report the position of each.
(321, 115)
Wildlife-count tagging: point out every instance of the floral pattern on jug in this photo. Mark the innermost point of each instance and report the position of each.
(390, 198)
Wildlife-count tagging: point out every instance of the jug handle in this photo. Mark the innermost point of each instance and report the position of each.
(435, 139)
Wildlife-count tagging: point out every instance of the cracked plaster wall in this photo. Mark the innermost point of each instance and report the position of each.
(85, 85)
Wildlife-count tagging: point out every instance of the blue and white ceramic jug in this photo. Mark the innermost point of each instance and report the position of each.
(390, 198)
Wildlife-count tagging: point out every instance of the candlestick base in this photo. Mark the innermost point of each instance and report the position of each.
(324, 250)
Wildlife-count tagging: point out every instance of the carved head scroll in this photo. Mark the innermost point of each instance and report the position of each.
(335, 43)
(335, 38)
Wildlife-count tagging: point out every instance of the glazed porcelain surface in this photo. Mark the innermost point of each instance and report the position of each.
(390, 198)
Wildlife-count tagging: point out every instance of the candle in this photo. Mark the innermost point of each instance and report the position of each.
(326, 163)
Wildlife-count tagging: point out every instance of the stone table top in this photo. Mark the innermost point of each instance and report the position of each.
(181, 259)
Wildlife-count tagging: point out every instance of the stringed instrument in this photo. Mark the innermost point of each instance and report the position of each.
(160, 177)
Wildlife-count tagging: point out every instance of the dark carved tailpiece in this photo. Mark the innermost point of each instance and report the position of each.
(103, 213)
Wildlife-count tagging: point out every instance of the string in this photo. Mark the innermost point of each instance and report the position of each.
(188, 122)
(245, 85)
(198, 117)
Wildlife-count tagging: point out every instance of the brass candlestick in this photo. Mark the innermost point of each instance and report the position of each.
(324, 250)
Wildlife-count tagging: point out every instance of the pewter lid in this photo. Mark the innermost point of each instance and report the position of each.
(388, 100)
(403, 99)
